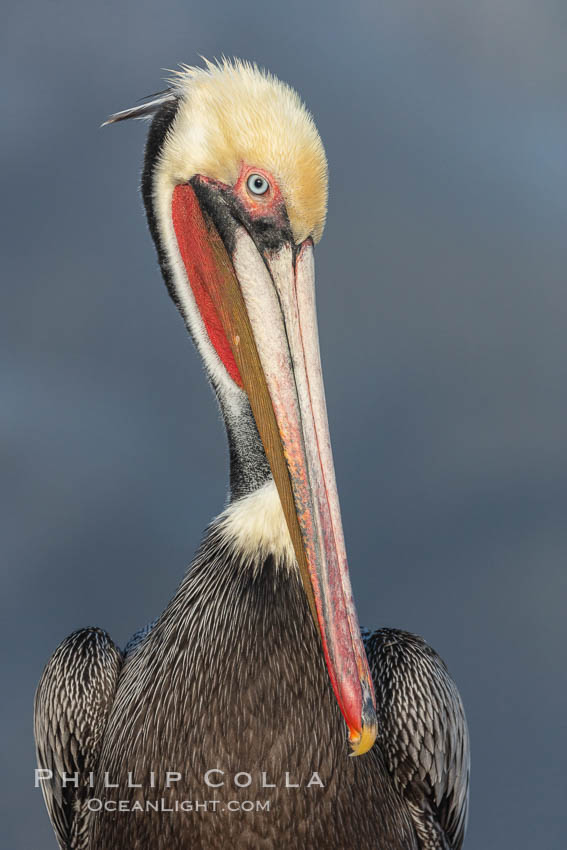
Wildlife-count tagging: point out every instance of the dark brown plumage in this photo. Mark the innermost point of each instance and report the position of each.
(231, 677)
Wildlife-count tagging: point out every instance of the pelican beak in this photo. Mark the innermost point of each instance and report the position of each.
(262, 294)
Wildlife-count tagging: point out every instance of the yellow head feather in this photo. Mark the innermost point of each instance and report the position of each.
(233, 112)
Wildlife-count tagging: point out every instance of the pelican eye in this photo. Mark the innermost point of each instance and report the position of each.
(257, 184)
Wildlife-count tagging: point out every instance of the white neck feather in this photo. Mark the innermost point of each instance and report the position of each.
(255, 527)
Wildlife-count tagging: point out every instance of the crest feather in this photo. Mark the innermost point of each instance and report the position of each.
(143, 110)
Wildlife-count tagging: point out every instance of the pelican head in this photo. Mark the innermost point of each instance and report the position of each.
(235, 187)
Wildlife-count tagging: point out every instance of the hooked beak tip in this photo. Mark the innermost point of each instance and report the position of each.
(362, 740)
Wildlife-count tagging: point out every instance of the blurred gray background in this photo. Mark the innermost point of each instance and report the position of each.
(443, 313)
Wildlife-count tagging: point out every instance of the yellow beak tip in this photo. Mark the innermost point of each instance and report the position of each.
(361, 742)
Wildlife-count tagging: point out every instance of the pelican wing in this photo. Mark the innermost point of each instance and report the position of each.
(71, 708)
(423, 734)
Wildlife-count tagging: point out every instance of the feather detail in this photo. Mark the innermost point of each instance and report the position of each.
(143, 111)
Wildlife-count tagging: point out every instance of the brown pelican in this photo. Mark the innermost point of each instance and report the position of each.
(250, 691)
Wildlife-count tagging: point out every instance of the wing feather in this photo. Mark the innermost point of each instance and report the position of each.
(423, 734)
(72, 703)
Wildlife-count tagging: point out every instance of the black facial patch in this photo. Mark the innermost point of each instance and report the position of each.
(269, 232)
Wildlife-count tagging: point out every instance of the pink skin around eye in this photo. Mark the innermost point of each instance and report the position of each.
(270, 203)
